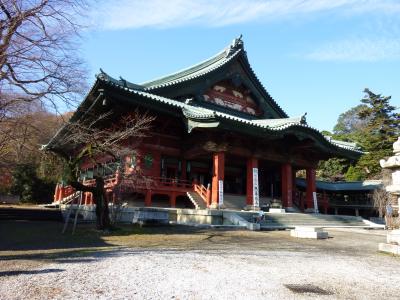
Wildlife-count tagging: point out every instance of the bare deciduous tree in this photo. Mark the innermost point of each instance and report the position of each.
(40, 70)
(381, 199)
(93, 139)
(22, 134)
(38, 53)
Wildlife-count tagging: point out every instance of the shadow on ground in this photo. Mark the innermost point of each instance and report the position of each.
(29, 272)
(43, 240)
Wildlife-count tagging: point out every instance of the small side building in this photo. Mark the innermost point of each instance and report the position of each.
(344, 198)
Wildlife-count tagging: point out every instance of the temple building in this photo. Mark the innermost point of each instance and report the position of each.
(345, 198)
(219, 140)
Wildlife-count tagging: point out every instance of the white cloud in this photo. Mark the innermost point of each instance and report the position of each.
(125, 14)
(368, 49)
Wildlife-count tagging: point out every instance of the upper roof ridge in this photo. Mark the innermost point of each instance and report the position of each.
(236, 44)
(218, 59)
(123, 82)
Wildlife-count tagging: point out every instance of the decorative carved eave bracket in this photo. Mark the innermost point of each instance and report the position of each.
(215, 147)
(190, 124)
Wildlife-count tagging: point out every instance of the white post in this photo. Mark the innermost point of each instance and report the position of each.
(220, 193)
(315, 202)
(256, 195)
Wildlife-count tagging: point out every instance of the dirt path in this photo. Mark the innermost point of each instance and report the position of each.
(185, 263)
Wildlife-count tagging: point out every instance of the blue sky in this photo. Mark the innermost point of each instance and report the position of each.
(312, 56)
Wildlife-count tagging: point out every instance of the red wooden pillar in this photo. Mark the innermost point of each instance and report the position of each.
(147, 199)
(251, 163)
(208, 196)
(287, 185)
(173, 199)
(89, 198)
(218, 174)
(311, 187)
(62, 193)
(55, 199)
(294, 187)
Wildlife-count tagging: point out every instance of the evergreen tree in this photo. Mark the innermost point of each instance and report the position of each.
(374, 125)
(29, 187)
(350, 122)
(353, 174)
(382, 129)
(332, 169)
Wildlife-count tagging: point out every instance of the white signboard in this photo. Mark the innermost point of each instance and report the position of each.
(256, 194)
(220, 192)
(315, 202)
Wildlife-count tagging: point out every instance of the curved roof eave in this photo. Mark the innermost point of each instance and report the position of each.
(292, 124)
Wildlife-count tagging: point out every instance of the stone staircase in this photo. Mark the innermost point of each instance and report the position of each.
(290, 220)
(234, 202)
(238, 202)
(30, 214)
(197, 201)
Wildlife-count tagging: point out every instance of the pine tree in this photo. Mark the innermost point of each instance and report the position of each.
(374, 125)
(382, 130)
(353, 174)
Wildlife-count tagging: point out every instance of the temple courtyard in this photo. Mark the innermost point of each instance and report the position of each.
(179, 262)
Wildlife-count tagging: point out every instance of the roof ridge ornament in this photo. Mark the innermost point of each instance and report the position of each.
(123, 81)
(236, 44)
(102, 75)
(189, 101)
(303, 119)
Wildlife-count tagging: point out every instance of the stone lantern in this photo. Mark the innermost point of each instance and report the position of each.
(393, 163)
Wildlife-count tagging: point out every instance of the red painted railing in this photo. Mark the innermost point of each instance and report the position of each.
(204, 193)
(155, 184)
(136, 183)
(167, 182)
(109, 181)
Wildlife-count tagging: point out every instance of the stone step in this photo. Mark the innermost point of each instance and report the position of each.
(198, 202)
(238, 202)
(285, 220)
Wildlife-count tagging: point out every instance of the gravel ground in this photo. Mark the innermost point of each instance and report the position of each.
(319, 272)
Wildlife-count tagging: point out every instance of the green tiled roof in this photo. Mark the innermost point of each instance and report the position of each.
(200, 113)
(342, 144)
(235, 51)
(146, 94)
(368, 185)
(198, 70)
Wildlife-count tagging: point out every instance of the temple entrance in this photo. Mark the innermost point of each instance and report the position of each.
(235, 181)
(199, 171)
(270, 180)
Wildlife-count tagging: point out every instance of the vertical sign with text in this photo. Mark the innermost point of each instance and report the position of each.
(220, 192)
(256, 194)
(315, 202)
